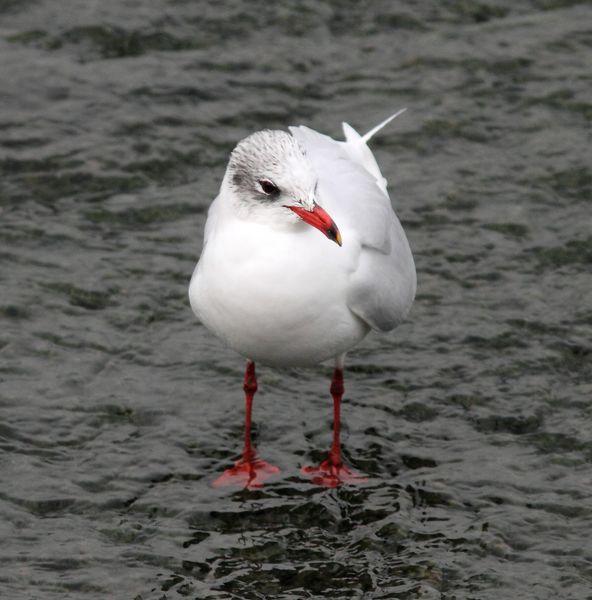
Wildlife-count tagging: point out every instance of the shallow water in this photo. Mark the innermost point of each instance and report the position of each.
(117, 409)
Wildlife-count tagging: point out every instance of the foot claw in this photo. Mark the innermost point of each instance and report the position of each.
(329, 474)
(247, 474)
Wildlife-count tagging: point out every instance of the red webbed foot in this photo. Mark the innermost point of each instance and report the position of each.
(332, 474)
(247, 473)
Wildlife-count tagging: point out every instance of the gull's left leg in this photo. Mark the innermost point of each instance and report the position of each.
(332, 472)
(250, 470)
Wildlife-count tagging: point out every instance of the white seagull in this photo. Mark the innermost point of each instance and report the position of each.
(276, 291)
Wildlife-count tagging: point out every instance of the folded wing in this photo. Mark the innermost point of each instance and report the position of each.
(352, 189)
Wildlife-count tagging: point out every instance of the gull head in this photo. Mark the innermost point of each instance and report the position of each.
(271, 180)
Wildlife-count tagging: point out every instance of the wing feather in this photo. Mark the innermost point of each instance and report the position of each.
(382, 283)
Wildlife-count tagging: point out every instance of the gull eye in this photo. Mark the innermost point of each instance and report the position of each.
(269, 187)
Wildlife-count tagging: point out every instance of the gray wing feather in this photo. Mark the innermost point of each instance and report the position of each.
(382, 284)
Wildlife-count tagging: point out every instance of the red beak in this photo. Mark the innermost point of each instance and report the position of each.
(318, 218)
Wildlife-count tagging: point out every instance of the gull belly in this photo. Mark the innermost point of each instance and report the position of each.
(277, 296)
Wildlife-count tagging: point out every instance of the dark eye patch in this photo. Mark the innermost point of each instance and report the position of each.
(268, 187)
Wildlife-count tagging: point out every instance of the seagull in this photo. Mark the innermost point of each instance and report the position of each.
(303, 256)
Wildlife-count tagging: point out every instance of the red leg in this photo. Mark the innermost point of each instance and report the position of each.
(332, 472)
(249, 471)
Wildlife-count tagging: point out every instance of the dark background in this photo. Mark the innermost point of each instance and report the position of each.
(117, 409)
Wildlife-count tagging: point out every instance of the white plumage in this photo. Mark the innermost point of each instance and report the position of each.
(274, 289)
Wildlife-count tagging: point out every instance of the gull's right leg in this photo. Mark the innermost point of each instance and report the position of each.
(249, 471)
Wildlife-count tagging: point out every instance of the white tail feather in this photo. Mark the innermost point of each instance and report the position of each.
(358, 151)
(366, 137)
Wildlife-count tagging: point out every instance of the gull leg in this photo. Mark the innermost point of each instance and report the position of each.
(332, 472)
(249, 471)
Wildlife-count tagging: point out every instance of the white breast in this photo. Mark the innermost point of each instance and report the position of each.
(277, 296)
